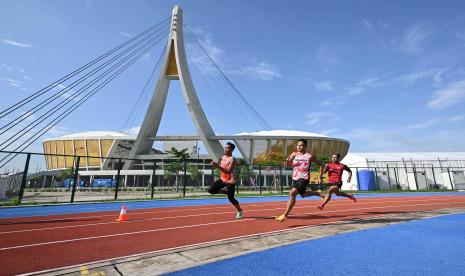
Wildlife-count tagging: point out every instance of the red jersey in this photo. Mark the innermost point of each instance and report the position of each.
(335, 171)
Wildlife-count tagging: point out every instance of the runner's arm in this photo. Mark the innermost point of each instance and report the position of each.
(350, 172)
(228, 169)
(290, 158)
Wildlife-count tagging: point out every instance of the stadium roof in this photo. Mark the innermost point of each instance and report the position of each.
(282, 133)
(93, 135)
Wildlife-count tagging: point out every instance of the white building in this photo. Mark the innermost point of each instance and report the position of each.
(408, 171)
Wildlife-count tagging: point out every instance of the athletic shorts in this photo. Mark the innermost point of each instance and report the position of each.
(219, 184)
(301, 185)
(338, 184)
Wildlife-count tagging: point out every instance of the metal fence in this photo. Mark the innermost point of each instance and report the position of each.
(171, 178)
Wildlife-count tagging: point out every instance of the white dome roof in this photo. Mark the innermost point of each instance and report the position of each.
(94, 135)
(278, 132)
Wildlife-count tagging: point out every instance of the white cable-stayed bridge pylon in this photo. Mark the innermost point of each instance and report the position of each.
(176, 67)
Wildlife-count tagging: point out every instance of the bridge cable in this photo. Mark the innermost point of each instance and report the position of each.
(10, 109)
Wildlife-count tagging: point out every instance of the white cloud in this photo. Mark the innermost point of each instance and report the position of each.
(5, 67)
(452, 94)
(323, 86)
(460, 36)
(30, 116)
(370, 26)
(456, 119)
(376, 139)
(69, 92)
(435, 74)
(205, 38)
(364, 84)
(331, 131)
(435, 121)
(126, 34)
(314, 118)
(89, 4)
(333, 101)
(367, 25)
(328, 56)
(16, 43)
(262, 71)
(416, 37)
(147, 57)
(16, 83)
(196, 54)
(56, 131)
(426, 124)
(384, 25)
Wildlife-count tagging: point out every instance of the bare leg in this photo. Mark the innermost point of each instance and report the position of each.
(333, 189)
(311, 193)
(291, 202)
(351, 196)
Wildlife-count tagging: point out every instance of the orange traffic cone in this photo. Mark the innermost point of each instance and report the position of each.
(122, 214)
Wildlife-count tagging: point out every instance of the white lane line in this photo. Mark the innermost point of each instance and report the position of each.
(397, 199)
(205, 224)
(110, 209)
(202, 214)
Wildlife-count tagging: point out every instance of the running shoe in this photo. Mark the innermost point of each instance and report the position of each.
(353, 198)
(321, 207)
(281, 218)
(239, 215)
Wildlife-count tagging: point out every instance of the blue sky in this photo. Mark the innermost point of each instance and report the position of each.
(389, 76)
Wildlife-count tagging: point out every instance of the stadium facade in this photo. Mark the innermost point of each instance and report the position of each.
(252, 146)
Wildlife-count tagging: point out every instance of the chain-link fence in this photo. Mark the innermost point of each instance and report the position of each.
(174, 178)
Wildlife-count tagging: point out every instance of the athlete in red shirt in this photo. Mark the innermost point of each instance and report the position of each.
(335, 170)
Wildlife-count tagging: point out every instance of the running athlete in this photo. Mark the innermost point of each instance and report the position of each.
(301, 161)
(227, 183)
(335, 170)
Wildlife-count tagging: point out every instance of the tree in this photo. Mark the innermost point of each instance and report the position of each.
(324, 159)
(67, 173)
(273, 159)
(245, 172)
(179, 156)
(194, 174)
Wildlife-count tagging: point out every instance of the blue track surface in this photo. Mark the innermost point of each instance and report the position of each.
(28, 211)
(434, 246)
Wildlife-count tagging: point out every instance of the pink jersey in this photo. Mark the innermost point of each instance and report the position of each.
(229, 178)
(301, 164)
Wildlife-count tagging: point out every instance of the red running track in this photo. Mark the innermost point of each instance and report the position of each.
(41, 243)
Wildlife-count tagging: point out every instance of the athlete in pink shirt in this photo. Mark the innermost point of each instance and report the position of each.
(301, 161)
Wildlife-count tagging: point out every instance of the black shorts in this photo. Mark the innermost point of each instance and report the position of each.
(301, 185)
(338, 184)
(218, 185)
